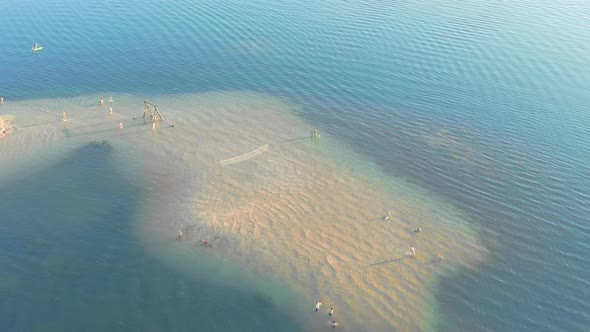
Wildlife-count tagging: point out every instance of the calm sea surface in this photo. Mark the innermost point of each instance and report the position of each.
(484, 103)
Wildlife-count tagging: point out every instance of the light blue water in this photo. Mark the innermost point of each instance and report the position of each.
(484, 103)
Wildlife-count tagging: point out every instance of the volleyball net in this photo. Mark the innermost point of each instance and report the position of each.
(245, 156)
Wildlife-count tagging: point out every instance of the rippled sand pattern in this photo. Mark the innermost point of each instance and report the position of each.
(313, 214)
(307, 211)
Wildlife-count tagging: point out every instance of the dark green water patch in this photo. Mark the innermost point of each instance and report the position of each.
(69, 261)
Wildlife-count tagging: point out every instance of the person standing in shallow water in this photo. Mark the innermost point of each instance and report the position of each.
(331, 313)
(318, 304)
(179, 234)
(413, 252)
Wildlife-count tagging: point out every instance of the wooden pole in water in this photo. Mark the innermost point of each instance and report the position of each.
(156, 108)
(154, 114)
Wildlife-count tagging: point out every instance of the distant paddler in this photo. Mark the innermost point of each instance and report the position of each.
(36, 48)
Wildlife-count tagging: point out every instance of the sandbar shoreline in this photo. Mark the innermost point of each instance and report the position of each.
(309, 212)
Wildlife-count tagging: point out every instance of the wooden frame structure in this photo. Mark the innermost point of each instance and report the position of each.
(155, 114)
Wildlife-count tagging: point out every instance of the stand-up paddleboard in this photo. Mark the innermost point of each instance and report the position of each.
(36, 48)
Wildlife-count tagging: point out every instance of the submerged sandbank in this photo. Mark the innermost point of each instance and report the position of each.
(307, 212)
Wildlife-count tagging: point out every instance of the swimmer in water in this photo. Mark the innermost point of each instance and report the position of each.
(180, 234)
(418, 230)
(333, 324)
(315, 133)
(388, 215)
(318, 304)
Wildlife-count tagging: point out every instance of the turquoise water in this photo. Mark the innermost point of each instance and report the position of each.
(71, 263)
(483, 103)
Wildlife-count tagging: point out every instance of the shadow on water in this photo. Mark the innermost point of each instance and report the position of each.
(386, 262)
(296, 140)
(70, 262)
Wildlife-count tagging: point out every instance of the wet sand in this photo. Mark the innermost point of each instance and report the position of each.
(307, 212)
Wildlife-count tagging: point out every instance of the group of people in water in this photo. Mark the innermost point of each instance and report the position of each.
(332, 322)
(101, 102)
(412, 251)
(203, 243)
